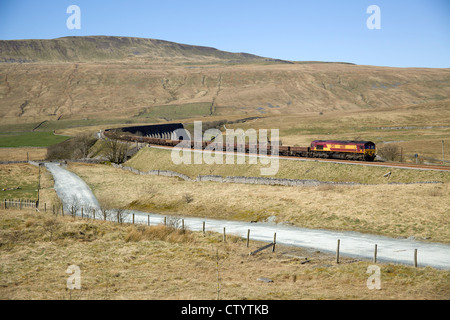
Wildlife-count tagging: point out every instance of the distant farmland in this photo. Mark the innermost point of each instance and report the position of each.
(30, 139)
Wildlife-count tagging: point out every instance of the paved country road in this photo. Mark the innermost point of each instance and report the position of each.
(69, 186)
(352, 244)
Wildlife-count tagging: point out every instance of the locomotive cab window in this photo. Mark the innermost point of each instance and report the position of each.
(319, 147)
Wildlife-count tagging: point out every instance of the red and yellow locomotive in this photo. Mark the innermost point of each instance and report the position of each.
(349, 150)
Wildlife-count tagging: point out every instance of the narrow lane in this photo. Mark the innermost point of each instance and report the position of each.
(68, 185)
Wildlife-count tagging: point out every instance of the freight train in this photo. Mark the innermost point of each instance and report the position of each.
(324, 149)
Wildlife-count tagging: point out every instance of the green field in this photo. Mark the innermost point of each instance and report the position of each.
(29, 139)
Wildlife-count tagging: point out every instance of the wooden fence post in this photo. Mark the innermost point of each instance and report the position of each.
(415, 258)
(182, 225)
(203, 228)
(148, 219)
(248, 237)
(274, 241)
(224, 235)
(375, 254)
(133, 218)
(337, 250)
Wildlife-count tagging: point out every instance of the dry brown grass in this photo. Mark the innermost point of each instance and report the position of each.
(419, 210)
(160, 232)
(20, 154)
(294, 88)
(138, 262)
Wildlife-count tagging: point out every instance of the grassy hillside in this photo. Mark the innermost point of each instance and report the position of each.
(117, 77)
(160, 159)
(79, 84)
(104, 48)
(38, 92)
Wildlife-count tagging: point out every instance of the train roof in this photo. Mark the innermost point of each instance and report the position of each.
(343, 141)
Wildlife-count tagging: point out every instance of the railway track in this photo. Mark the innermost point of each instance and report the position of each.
(349, 162)
(416, 166)
(377, 163)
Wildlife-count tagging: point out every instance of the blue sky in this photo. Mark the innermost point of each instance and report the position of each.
(414, 33)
